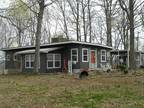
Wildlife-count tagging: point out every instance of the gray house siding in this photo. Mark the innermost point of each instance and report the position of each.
(12, 65)
(99, 58)
(9, 64)
(77, 65)
(42, 64)
(65, 52)
(142, 60)
(99, 62)
(83, 65)
(55, 69)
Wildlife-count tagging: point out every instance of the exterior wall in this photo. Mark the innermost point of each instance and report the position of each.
(139, 57)
(137, 60)
(42, 64)
(142, 60)
(65, 52)
(11, 65)
(101, 64)
(60, 51)
(84, 65)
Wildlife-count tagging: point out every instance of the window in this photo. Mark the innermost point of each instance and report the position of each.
(29, 61)
(103, 55)
(53, 61)
(74, 54)
(84, 55)
(14, 57)
(8, 57)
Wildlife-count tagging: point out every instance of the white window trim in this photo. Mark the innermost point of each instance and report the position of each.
(75, 55)
(29, 60)
(85, 55)
(30, 67)
(103, 55)
(54, 61)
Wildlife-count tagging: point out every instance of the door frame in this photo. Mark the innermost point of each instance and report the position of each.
(95, 54)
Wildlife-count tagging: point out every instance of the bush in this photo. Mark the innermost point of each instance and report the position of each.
(123, 68)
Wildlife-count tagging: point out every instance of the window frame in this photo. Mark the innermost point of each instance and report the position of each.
(74, 49)
(54, 61)
(105, 56)
(29, 61)
(84, 55)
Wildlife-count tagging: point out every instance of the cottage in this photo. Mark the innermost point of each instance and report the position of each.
(70, 56)
(120, 57)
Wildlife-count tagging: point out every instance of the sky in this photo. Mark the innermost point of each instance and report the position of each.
(4, 3)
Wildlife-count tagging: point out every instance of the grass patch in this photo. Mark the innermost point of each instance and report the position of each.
(62, 91)
(32, 89)
(94, 98)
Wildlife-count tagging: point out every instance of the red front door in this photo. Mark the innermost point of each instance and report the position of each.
(93, 60)
(92, 57)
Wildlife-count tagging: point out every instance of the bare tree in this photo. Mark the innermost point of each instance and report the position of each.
(90, 20)
(18, 16)
(39, 12)
(130, 7)
(61, 4)
(75, 11)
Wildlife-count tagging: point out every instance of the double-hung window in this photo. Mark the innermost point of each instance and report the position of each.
(53, 61)
(74, 54)
(84, 55)
(103, 55)
(29, 61)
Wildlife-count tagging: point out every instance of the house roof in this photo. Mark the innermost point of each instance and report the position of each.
(59, 43)
(124, 51)
(31, 51)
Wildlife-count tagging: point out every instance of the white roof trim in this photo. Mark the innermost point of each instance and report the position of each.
(44, 50)
(115, 51)
(61, 43)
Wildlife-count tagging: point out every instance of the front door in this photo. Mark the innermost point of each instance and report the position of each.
(93, 64)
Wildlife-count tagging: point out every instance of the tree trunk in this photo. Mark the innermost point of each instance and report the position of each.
(77, 21)
(131, 21)
(19, 37)
(65, 25)
(108, 13)
(38, 35)
(84, 21)
(90, 25)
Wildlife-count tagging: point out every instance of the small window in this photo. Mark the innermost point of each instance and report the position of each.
(8, 57)
(53, 61)
(103, 55)
(84, 55)
(74, 54)
(15, 57)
